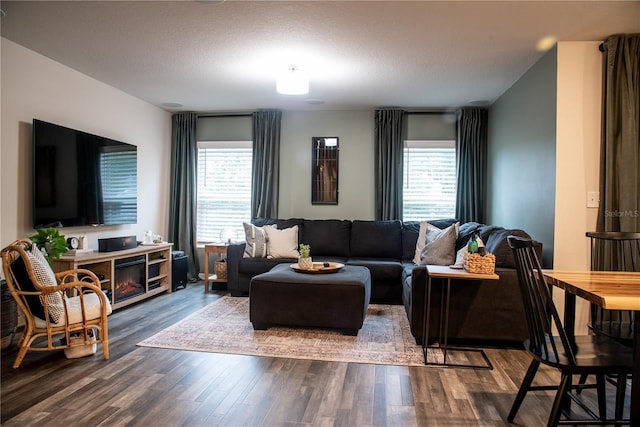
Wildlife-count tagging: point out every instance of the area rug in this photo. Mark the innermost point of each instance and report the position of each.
(223, 327)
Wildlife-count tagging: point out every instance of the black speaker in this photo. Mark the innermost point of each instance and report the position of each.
(117, 244)
(178, 272)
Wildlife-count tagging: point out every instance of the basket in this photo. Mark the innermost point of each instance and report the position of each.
(220, 268)
(476, 263)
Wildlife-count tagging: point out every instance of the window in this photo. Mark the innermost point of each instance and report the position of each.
(118, 179)
(224, 189)
(429, 181)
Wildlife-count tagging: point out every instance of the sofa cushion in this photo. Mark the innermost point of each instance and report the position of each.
(497, 244)
(282, 243)
(280, 223)
(376, 239)
(327, 236)
(439, 248)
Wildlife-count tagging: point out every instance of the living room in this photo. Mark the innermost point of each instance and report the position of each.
(544, 139)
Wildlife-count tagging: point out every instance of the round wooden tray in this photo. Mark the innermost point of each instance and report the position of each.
(319, 268)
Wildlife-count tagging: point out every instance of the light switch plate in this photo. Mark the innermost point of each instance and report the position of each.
(593, 199)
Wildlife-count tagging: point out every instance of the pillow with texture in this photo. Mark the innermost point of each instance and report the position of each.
(282, 243)
(420, 242)
(256, 240)
(46, 277)
(440, 245)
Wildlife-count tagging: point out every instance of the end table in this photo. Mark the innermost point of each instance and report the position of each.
(220, 249)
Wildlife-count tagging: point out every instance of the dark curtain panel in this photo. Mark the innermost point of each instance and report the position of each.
(471, 164)
(183, 192)
(389, 146)
(266, 163)
(620, 149)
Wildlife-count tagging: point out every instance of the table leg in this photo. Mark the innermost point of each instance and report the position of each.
(443, 340)
(635, 375)
(206, 270)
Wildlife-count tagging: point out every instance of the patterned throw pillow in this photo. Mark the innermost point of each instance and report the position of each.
(256, 241)
(45, 277)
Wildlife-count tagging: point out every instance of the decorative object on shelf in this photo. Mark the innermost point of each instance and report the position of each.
(324, 167)
(51, 242)
(304, 260)
(148, 237)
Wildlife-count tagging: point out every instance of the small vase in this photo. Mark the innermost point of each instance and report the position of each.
(305, 263)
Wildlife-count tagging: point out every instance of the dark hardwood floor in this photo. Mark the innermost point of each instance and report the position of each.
(147, 386)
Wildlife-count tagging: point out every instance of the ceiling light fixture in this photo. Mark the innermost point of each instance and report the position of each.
(292, 82)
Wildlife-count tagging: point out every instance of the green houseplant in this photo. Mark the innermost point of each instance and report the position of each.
(305, 261)
(51, 241)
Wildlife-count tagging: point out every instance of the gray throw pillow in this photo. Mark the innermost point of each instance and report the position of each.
(440, 245)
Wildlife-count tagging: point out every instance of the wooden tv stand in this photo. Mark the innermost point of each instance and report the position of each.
(157, 270)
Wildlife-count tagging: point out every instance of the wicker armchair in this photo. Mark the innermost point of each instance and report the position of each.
(61, 310)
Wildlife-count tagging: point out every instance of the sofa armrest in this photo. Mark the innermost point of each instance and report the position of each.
(235, 252)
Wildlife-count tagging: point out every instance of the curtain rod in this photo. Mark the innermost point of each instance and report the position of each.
(200, 116)
(430, 112)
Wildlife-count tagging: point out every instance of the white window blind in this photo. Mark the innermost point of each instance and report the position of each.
(429, 180)
(224, 189)
(118, 178)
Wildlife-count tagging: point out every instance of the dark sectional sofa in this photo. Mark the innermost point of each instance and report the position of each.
(489, 311)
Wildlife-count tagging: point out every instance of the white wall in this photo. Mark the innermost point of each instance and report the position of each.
(34, 86)
(579, 106)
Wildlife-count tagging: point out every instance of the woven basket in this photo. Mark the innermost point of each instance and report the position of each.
(475, 263)
(220, 268)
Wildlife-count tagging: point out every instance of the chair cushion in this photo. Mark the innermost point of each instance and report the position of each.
(45, 277)
(93, 310)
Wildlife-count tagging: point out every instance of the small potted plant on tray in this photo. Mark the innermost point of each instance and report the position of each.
(304, 260)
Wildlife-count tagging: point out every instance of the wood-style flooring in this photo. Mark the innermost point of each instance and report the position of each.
(141, 386)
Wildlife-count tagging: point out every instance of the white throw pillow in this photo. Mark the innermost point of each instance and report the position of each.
(45, 277)
(440, 245)
(282, 243)
(256, 240)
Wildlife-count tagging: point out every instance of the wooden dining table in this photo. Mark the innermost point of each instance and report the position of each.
(611, 290)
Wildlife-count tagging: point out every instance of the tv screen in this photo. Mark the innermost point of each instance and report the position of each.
(82, 179)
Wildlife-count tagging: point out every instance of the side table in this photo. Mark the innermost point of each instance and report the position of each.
(220, 249)
(447, 273)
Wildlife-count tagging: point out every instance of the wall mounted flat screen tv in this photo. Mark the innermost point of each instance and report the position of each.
(82, 179)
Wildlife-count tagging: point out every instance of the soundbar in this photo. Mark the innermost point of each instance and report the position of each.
(113, 244)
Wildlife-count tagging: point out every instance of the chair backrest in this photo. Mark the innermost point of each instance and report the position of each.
(23, 282)
(540, 311)
(615, 251)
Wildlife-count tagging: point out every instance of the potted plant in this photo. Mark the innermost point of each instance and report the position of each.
(304, 260)
(51, 242)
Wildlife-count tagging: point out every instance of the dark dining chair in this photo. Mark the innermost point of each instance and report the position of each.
(587, 355)
(614, 251)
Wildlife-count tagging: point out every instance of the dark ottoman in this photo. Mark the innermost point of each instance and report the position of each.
(283, 296)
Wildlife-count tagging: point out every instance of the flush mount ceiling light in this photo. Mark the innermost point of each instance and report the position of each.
(292, 82)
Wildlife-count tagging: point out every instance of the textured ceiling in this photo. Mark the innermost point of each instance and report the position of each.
(359, 54)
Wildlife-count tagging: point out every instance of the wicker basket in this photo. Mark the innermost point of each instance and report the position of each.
(475, 263)
(220, 268)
